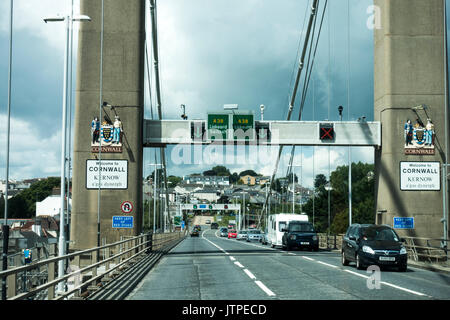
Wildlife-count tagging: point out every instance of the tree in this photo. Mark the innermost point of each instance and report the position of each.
(173, 181)
(234, 178)
(23, 205)
(248, 173)
(221, 171)
(209, 173)
(363, 198)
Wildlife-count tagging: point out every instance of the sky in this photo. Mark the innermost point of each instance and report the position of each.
(212, 52)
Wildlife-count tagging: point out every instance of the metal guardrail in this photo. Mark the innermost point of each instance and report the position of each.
(103, 261)
(420, 249)
(330, 241)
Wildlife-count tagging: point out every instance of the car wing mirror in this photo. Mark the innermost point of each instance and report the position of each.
(352, 238)
(283, 230)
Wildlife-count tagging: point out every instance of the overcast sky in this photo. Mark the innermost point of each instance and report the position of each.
(212, 52)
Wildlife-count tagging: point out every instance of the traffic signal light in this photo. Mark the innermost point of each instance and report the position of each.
(195, 207)
(210, 206)
(326, 131)
(225, 207)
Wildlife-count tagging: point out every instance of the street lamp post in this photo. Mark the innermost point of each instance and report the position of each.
(68, 19)
(155, 183)
(329, 188)
(293, 186)
(5, 227)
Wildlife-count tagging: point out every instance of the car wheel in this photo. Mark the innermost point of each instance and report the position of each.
(344, 260)
(359, 265)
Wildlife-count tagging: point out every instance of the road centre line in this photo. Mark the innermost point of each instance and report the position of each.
(249, 274)
(232, 258)
(264, 288)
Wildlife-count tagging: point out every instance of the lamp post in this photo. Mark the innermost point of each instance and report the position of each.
(61, 245)
(261, 107)
(155, 183)
(293, 186)
(5, 227)
(328, 188)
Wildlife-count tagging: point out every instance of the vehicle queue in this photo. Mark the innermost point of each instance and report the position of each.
(363, 244)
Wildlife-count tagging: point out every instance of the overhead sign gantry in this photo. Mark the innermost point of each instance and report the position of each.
(242, 128)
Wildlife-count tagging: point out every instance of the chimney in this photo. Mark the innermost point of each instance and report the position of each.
(37, 228)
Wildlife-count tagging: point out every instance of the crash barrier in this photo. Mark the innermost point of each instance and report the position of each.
(330, 241)
(103, 262)
(426, 249)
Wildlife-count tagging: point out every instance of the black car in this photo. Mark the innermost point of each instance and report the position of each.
(370, 244)
(214, 225)
(300, 234)
(195, 232)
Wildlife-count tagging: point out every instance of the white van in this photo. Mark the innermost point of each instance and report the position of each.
(278, 222)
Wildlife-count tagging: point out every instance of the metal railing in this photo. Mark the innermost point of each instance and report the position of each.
(87, 267)
(426, 249)
(330, 241)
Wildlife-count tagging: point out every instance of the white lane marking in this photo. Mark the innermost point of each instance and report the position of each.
(264, 288)
(388, 284)
(259, 283)
(308, 258)
(356, 274)
(249, 274)
(232, 258)
(327, 264)
(291, 253)
(404, 289)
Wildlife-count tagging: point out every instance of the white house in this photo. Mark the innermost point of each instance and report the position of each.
(51, 206)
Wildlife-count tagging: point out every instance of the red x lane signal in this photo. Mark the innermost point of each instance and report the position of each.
(326, 131)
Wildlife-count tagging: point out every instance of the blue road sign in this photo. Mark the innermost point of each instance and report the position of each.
(182, 225)
(403, 223)
(202, 206)
(122, 222)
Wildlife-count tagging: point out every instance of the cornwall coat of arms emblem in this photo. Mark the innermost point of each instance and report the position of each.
(419, 138)
(108, 135)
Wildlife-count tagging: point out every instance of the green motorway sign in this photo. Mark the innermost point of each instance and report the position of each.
(218, 125)
(241, 124)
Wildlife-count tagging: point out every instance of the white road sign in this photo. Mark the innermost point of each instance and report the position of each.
(420, 176)
(114, 174)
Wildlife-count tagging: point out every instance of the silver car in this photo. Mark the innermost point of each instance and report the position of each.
(254, 235)
(223, 232)
(242, 235)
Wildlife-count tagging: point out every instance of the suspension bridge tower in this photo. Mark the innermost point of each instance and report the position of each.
(410, 101)
(108, 123)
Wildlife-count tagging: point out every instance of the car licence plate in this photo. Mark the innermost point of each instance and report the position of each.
(306, 243)
(387, 258)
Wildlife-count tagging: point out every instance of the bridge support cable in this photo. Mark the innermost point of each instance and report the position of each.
(297, 80)
(309, 70)
(158, 93)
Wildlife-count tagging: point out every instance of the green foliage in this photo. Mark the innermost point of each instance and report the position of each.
(173, 181)
(248, 173)
(23, 205)
(363, 198)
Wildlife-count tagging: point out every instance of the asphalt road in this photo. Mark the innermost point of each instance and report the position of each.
(214, 268)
